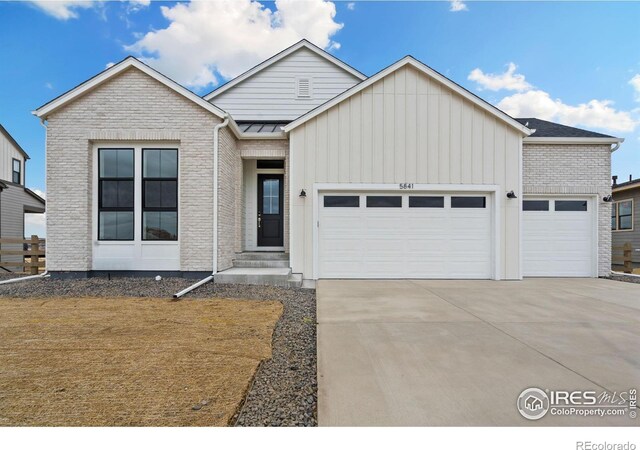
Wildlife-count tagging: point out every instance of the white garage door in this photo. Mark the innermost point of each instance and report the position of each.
(558, 237)
(374, 235)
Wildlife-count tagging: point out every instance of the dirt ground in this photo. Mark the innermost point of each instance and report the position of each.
(129, 361)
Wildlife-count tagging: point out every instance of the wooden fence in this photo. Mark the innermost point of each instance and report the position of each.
(627, 255)
(32, 252)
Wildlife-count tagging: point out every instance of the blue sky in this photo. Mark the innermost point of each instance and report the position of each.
(573, 62)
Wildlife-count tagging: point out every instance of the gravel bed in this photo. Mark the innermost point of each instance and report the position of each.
(625, 278)
(284, 391)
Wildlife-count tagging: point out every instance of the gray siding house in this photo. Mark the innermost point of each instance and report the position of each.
(625, 219)
(303, 168)
(15, 199)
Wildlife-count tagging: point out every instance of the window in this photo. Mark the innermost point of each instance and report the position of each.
(16, 175)
(303, 87)
(535, 205)
(270, 164)
(271, 196)
(571, 205)
(468, 202)
(426, 202)
(115, 194)
(384, 201)
(341, 201)
(159, 194)
(622, 215)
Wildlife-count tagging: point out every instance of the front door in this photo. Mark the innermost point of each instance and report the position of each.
(270, 214)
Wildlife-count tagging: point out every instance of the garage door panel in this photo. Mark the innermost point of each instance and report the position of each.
(405, 242)
(558, 243)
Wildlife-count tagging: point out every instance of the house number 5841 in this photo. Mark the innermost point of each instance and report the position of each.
(406, 185)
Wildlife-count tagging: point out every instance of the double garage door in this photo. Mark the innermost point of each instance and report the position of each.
(431, 235)
(374, 235)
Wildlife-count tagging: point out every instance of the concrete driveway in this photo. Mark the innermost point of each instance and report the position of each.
(460, 353)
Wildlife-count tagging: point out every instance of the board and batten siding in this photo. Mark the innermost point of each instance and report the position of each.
(270, 94)
(8, 152)
(409, 128)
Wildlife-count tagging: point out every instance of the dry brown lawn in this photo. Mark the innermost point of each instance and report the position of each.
(129, 361)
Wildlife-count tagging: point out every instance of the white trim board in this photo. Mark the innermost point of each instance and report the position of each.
(490, 189)
(114, 70)
(421, 67)
(572, 140)
(283, 54)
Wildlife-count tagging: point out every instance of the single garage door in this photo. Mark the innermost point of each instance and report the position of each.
(378, 235)
(558, 237)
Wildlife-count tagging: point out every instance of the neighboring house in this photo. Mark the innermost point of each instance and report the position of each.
(15, 199)
(625, 219)
(331, 174)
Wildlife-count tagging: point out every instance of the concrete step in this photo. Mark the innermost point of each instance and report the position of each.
(257, 263)
(262, 256)
(266, 276)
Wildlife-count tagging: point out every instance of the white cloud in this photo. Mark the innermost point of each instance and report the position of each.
(35, 224)
(48, 85)
(109, 64)
(40, 193)
(63, 10)
(592, 114)
(635, 83)
(509, 80)
(68, 9)
(531, 102)
(351, 6)
(230, 36)
(457, 5)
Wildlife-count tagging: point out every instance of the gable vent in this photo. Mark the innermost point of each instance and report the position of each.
(303, 87)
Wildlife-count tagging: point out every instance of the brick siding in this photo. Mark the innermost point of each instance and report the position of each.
(573, 169)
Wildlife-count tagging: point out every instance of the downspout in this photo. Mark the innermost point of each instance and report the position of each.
(216, 133)
(44, 274)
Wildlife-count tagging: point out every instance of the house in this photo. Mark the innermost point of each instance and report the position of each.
(15, 199)
(625, 220)
(304, 168)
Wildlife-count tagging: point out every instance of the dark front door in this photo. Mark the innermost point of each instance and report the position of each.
(270, 214)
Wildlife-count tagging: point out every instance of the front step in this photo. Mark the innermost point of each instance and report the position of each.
(262, 256)
(275, 263)
(257, 260)
(264, 276)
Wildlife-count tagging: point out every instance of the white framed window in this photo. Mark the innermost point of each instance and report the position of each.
(622, 215)
(304, 87)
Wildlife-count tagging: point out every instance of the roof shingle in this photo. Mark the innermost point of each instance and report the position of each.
(545, 128)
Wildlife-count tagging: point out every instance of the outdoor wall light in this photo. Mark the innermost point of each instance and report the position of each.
(303, 193)
(511, 194)
(607, 198)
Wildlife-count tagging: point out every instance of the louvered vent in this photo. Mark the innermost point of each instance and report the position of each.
(303, 87)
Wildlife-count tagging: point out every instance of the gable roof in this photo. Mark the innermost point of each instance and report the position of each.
(279, 56)
(114, 70)
(423, 68)
(544, 128)
(34, 195)
(13, 141)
